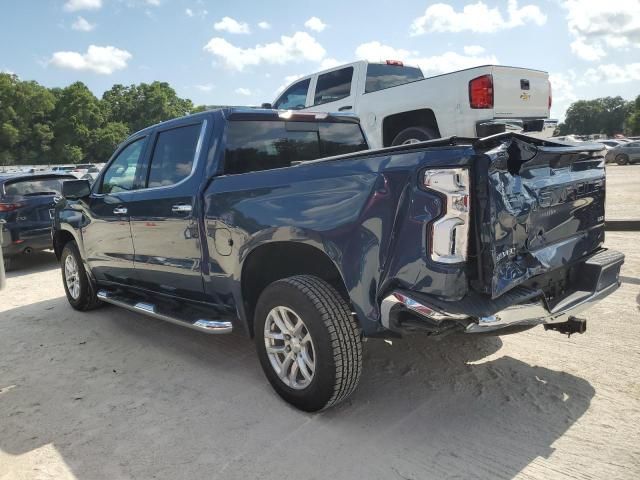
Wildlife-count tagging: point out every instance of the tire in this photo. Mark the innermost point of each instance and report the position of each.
(6, 263)
(81, 294)
(335, 342)
(414, 135)
(622, 159)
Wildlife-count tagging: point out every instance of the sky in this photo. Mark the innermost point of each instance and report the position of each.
(244, 52)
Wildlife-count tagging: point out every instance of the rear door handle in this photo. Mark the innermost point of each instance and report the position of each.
(346, 107)
(120, 211)
(181, 208)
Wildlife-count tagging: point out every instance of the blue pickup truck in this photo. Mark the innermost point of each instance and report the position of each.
(284, 226)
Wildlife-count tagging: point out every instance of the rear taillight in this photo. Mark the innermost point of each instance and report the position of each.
(450, 233)
(481, 92)
(550, 95)
(9, 207)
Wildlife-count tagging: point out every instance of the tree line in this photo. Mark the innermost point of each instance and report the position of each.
(608, 115)
(40, 125)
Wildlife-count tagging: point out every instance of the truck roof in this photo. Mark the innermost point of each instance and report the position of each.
(251, 113)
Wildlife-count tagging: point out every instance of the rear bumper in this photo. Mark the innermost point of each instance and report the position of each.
(403, 311)
(535, 127)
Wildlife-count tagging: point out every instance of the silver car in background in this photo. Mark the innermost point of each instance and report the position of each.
(2, 276)
(624, 154)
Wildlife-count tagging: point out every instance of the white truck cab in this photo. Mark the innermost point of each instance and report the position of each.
(397, 104)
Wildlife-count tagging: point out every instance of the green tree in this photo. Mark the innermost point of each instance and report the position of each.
(71, 154)
(602, 115)
(139, 106)
(105, 139)
(632, 125)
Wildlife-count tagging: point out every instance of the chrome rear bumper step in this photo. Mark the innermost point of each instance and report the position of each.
(201, 324)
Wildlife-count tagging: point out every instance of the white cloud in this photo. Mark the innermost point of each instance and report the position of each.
(300, 46)
(563, 89)
(473, 50)
(75, 5)
(376, 51)
(83, 25)
(228, 24)
(245, 92)
(288, 80)
(329, 63)
(315, 24)
(206, 87)
(612, 73)
(598, 26)
(153, 3)
(446, 62)
(264, 25)
(475, 17)
(102, 60)
(189, 12)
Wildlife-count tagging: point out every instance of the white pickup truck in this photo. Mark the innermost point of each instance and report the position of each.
(398, 105)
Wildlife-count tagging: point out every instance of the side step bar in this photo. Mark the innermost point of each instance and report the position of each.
(151, 310)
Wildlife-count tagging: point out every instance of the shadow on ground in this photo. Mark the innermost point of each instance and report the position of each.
(35, 262)
(122, 396)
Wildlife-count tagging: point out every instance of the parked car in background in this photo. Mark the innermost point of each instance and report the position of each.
(26, 205)
(398, 105)
(2, 274)
(624, 154)
(231, 220)
(62, 168)
(609, 144)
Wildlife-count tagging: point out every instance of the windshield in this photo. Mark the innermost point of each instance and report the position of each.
(380, 76)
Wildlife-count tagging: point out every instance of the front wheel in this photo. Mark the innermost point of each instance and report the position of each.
(414, 135)
(80, 293)
(308, 342)
(622, 159)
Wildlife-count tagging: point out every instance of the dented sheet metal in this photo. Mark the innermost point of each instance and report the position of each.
(545, 208)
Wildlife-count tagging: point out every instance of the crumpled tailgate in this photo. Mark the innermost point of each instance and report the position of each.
(539, 206)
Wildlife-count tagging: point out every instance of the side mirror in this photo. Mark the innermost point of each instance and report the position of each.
(76, 189)
(266, 105)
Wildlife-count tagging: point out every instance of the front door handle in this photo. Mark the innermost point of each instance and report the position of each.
(120, 211)
(181, 208)
(346, 107)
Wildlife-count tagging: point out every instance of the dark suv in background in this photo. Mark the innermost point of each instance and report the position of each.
(26, 206)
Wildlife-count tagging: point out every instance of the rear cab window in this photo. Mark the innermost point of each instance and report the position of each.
(254, 145)
(381, 76)
(35, 186)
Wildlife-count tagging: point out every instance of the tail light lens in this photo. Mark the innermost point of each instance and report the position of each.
(481, 92)
(550, 95)
(450, 233)
(9, 207)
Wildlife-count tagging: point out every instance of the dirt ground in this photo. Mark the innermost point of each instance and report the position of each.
(113, 395)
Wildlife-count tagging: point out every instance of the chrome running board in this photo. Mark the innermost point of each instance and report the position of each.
(151, 310)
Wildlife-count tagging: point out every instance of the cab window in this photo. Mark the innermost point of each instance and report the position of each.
(295, 97)
(121, 173)
(173, 155)
(333, 86)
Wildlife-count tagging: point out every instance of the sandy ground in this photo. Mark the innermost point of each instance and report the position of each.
(114, 395)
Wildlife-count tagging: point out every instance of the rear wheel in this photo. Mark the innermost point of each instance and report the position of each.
(308, 342)
(622, 159)
(80, 293)
(414, 135)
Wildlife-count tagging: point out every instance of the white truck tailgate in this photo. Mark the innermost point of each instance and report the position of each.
(520, 92)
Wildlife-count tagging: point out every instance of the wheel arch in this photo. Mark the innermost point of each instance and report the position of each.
(264, 265)
(394, 124)
(60, 238)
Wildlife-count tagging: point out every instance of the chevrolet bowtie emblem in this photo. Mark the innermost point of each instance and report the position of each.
(525, 96)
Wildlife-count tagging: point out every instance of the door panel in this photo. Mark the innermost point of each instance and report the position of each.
(107, 239)
(164, 225)
(107, 233)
